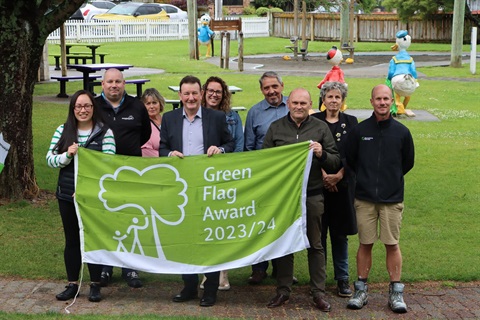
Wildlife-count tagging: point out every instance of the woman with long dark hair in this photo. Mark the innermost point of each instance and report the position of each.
(84, 128)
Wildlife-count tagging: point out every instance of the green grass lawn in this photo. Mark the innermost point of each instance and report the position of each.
(440, 228)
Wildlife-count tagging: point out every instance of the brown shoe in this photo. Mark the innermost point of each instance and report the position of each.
(321, 304)
(278, 300)
(257, 277)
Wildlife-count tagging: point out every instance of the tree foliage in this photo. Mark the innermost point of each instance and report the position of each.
(24, 27)
(425, 8)
(287, 5)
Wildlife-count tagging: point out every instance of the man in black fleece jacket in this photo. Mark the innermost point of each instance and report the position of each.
(129, 121)
(380, 150)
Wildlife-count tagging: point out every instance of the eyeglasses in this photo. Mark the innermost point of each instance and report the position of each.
(212, 92)
(87, 107)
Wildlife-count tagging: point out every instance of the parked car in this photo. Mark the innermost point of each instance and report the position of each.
(174, 12)
(322, 9)
(134, 11)
(92, 8)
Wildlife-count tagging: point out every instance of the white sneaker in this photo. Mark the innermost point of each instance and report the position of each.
(224, 285)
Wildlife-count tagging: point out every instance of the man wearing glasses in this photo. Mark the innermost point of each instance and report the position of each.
(129, 121)
(259, 118)
(194, 130)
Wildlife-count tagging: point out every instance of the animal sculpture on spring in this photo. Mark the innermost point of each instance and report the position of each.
(402, 74)
(334, 57)
(205, 34)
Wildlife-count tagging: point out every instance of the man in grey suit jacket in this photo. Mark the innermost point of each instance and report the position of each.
(194, 130)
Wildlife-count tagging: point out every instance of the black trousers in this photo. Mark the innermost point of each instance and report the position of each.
(71, 254)
(210, 286)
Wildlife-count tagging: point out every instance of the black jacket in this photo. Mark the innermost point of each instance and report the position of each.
(130, 125)
(66, 176)
(380, 153)
(215, 131)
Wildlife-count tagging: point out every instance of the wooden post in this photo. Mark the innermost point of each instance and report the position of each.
(63, 51)
(222, 53)
(44, 70)
(312, 25)
(240, 51)
(351, 24)
(295, 18)
(457, 33)
(212, 45)
(304, 25)
(344, 23)
(227, 50)
(192, 29)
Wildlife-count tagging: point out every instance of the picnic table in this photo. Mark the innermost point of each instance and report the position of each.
(92, 46)
(80, 56)
(87, 69)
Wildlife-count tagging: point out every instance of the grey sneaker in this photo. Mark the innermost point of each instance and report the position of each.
(395, 299)
(360, 297)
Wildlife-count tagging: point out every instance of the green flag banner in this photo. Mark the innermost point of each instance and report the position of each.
(193, 215)
(4, 147)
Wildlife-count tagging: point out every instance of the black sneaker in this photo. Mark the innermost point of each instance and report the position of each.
(105, 278)
(133, 280)
(343, 289)
(94, 295)
(69, 293)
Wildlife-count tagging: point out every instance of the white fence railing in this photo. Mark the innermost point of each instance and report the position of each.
(115, 31)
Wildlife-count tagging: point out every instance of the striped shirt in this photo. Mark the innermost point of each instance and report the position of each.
(55, 160)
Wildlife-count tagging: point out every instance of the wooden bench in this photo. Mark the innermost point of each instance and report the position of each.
(174, 102)
(138, 82)
(77, 56)
(65, 79)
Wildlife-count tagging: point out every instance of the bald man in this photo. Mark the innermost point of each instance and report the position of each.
(380, 151)
(129, 121)
(125, 115)
(299, 126)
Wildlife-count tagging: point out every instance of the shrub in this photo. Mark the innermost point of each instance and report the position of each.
(250, 10)
(276, 10)
(262, 11)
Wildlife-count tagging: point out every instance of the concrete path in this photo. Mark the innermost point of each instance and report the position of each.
(424, 300)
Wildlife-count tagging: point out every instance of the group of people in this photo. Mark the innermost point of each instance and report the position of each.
(355, 182)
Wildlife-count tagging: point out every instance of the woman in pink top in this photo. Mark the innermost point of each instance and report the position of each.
(155, 103)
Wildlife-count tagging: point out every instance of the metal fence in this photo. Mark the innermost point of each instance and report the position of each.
(116, 31)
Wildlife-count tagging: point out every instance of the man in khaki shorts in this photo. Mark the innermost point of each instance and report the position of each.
(380, 150)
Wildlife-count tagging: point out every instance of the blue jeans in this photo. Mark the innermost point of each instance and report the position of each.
(339, 243)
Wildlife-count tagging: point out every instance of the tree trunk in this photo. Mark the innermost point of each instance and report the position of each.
(20, 53)
(24, 27)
